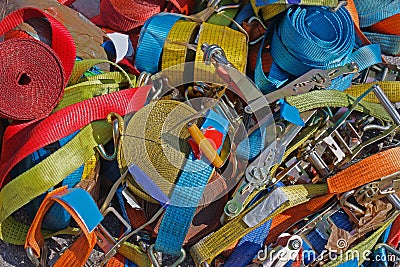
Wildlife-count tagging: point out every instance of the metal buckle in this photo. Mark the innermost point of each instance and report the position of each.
(383, 188)
(155, 262)
(280, 255)
(314, 79)
(379, 72)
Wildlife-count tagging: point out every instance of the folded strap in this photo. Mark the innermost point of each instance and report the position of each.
(86, 216)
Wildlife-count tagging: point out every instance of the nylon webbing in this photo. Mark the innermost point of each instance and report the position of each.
(47, 174)
(367, 170)
(151, 41)
(323, 98)
(187, 194)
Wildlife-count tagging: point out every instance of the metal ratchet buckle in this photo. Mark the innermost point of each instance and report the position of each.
(257, 173)
(321, 225)
(385, 187)
(314, 79)
(379, 72)
(278, 256)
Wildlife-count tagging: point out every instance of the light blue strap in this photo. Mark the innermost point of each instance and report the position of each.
(390, 44)
(373, 11)
(312, 38)
(83, 204)
(151, 41)
(186, 195)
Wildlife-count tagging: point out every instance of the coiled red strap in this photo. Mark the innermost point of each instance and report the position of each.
(33, 75)
(126, 15)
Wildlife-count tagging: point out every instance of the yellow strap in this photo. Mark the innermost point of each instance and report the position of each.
(208, 248)
(46, 174)
(82, 66)
(175, 51)
(234, 44)
(391, 89)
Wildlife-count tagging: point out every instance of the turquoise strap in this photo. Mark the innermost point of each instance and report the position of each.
(187, 195)
(89, 212)
(390, 44)
(312, 37)
(373, 11)
(151, 41)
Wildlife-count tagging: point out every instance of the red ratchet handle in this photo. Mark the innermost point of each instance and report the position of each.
(21, 140)
(62, 42)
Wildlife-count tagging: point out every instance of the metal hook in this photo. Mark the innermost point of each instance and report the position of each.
(117, 132)
(340, 4)
(214, 52)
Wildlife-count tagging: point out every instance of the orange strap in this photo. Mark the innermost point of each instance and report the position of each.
(387, 26)
(78, 253)
(365, 171)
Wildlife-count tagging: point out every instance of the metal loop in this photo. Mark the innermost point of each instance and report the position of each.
(154, 261)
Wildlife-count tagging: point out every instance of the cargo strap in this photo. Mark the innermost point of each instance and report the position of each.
(187, 194)
(86, 216)
(354, 176)
(26, 75)
(151, 41)
(122, 102)
(125, 16)
(294, 52)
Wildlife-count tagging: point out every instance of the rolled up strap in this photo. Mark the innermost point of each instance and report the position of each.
(86, 216)
(33, 75)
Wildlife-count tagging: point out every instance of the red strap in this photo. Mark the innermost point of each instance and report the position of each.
(394, 236)
(21, 140)
(62, 42)
(33, 75)
(66, 2)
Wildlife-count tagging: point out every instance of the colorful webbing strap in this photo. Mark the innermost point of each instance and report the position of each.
(32, 137)
(354, 176)
(86, 216)
(296, 47)
(187, 194)
(56, 218)
(24, 82)
(152, 39)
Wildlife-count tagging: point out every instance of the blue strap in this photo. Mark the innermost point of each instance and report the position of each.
(311, 37)
(373, 11)
(151, 41)
(56, 218)
(390, 44)
(251, 243)
(186, 195)
(245, 13)
(89, 212)
(350, 263)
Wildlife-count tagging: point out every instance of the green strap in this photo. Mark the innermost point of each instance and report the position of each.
(332, 98)
(46, 174)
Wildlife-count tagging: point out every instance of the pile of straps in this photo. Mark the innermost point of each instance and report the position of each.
(184, 133)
